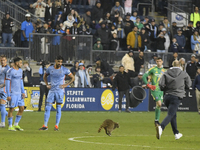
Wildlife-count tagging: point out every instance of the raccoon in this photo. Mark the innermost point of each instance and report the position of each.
(109, 126)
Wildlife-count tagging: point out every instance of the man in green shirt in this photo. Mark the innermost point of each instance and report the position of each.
(155, 73)
(195, 16)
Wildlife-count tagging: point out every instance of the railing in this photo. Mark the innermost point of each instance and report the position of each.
(15, 11)
(71, 47)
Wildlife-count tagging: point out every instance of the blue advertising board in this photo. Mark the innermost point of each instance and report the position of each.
(93, 99)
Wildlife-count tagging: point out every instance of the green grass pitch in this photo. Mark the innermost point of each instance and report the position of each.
(78, 131)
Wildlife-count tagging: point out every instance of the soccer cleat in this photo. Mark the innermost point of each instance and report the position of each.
(56, 128)
(178, 136)
(158, 131)
(18, 128)
(43, 128)
(128, 111)
(11, 128)
(2, 125)
(156, 122)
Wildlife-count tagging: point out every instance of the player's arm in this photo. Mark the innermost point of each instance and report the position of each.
(45, 80)
(8, 78)
(162, 82)
(22, 89)
(144, 77)
(70, 82)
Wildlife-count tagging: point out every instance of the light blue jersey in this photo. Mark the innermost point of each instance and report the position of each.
(3, 71)
(57, 78)
(14, 82)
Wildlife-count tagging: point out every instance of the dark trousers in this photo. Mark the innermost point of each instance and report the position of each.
(43, 90)
(172, 103)
(121, 94)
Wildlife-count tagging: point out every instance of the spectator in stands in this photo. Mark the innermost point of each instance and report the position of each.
(128, 6)
(195, 42)
(180, 40)
(114, 44)
(7, 24)
(105, 35)
(17, 37)
(118, 8)
(152, 62)
(48, 11)
(66, 9)
(129, 64)
(139, 24)
(195, 16)
(153, 34)
(31, 9)
(27, 28)
(188, 32)
(139, 62)
(128, 24)
(69, 22)
(38, 26)
(146, 20)
(138, 81)
(81, 78)
(43, 87)
(145, 39)
(45, 29)
(57, 7)
(134, 40)
(98, 45)
(88, 72)
(123, 84)
(74, 14)
(84, 28)
(174, 29)
(166, 25)
(98, 78)
(182, 64)
(113, 29)
(87, 17)
(160, 27)
(97, 12)
(198, 26)
(167, 39)
(120, 28)
(161, 43)
(133, 18)
(74, 29)
(173, 58)
(59, 19)
(40, 8)
(174, 46)
(50, 25)
(27, 74)
(75, 68)
(106, 69)
(191, 67)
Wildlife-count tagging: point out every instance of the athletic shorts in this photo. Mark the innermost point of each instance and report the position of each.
(157, 95)
(3, 96)
(55, 97)
(16, 100)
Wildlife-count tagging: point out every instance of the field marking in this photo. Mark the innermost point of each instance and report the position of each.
(75, 139)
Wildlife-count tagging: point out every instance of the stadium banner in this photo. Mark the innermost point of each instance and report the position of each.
(187, 104)
(179, 18)
(93, 99)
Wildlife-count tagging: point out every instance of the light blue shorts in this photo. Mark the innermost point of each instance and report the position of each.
(55, 97)
(3, 96)
(16, 100)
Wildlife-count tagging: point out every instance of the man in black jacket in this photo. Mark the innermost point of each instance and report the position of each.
(97, 12)
(105, 35)
(173, 82)
(106, 70)
(191, 67)
(7, 24)
(123, 83)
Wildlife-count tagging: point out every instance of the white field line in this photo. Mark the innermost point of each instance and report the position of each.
(75, 139)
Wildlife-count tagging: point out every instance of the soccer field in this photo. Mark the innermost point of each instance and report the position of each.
(78, 131)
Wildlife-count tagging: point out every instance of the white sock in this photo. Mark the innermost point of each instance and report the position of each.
(3, 123)
(15, 124)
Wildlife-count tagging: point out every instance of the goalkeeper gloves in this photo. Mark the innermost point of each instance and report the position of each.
(152, 87)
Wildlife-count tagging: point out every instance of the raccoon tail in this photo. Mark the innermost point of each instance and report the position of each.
(99, 129)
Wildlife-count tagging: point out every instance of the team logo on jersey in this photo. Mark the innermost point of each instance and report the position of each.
(107, 99)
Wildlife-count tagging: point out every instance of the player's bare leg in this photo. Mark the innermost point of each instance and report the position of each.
(4, 113)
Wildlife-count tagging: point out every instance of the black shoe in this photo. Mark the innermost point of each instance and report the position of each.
(43, 128)
(156, 122)
(128, 111)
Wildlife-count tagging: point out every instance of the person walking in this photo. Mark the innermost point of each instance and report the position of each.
(123, 83)
(173, 83)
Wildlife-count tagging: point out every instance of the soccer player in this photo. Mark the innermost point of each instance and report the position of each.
(15, 93)
(57, 74)
(3, 96)
(155, 73)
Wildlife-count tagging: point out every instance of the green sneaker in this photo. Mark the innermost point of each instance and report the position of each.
(18, 128)
(11, 128)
